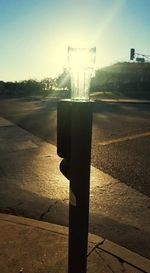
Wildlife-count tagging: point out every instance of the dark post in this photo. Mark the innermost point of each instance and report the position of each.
(81, 128)
(76, 149)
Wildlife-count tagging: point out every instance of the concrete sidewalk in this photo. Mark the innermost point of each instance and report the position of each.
(33, 246)
(29, 246)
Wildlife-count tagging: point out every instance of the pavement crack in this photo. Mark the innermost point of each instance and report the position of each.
(48, 210)
(8, 210)
(120, 260)
(123, 268)
(41, 218)
(105, 262)
(96, 246)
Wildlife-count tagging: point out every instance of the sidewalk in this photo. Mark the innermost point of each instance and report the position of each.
(30, 246)
(34, 246)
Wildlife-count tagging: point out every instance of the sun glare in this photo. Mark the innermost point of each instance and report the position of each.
(59, 57)
(80, 57)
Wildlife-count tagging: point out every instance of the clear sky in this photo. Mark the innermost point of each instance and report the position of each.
(34, 34)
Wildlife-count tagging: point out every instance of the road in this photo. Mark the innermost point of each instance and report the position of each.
(120, 141)
(120, 150)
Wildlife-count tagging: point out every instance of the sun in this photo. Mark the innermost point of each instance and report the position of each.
(59, 53)
(79, 58)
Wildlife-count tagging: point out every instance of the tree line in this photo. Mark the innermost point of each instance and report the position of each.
(27, 87)
(129, 79)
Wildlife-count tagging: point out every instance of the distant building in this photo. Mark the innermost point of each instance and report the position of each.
(140, 60)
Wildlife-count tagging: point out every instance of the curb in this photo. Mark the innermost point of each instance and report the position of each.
(131, 258)
(122, 101)
(93, 97)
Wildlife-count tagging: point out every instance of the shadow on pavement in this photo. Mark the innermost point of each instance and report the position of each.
(28, 204)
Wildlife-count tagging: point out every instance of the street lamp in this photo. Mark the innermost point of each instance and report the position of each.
(74, 131)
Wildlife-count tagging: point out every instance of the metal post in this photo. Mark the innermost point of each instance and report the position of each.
(80, 156)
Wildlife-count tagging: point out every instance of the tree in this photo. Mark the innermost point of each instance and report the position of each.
(63, 80)
(48, 83)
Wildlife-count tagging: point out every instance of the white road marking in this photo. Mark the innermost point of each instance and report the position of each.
(125, 138)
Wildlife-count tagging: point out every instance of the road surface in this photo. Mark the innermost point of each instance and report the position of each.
(120, 141)
(120, 201)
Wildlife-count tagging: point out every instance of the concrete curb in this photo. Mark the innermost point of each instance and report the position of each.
(132, 101)
(96, 96)
(131, 258)
(93, 97)
(126, 255)
(122, 101)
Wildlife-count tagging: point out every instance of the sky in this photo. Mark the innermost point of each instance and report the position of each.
(35, 34)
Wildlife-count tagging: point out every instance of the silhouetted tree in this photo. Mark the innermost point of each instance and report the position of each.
(48, 83)
(63, 80)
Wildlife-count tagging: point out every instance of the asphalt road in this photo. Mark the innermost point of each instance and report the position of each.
(121, 143)
(120, 140)
(120, 148)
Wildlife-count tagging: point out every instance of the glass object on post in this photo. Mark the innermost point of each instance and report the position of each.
(81, 67)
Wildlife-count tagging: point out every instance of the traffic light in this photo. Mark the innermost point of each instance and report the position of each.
(132, 53)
